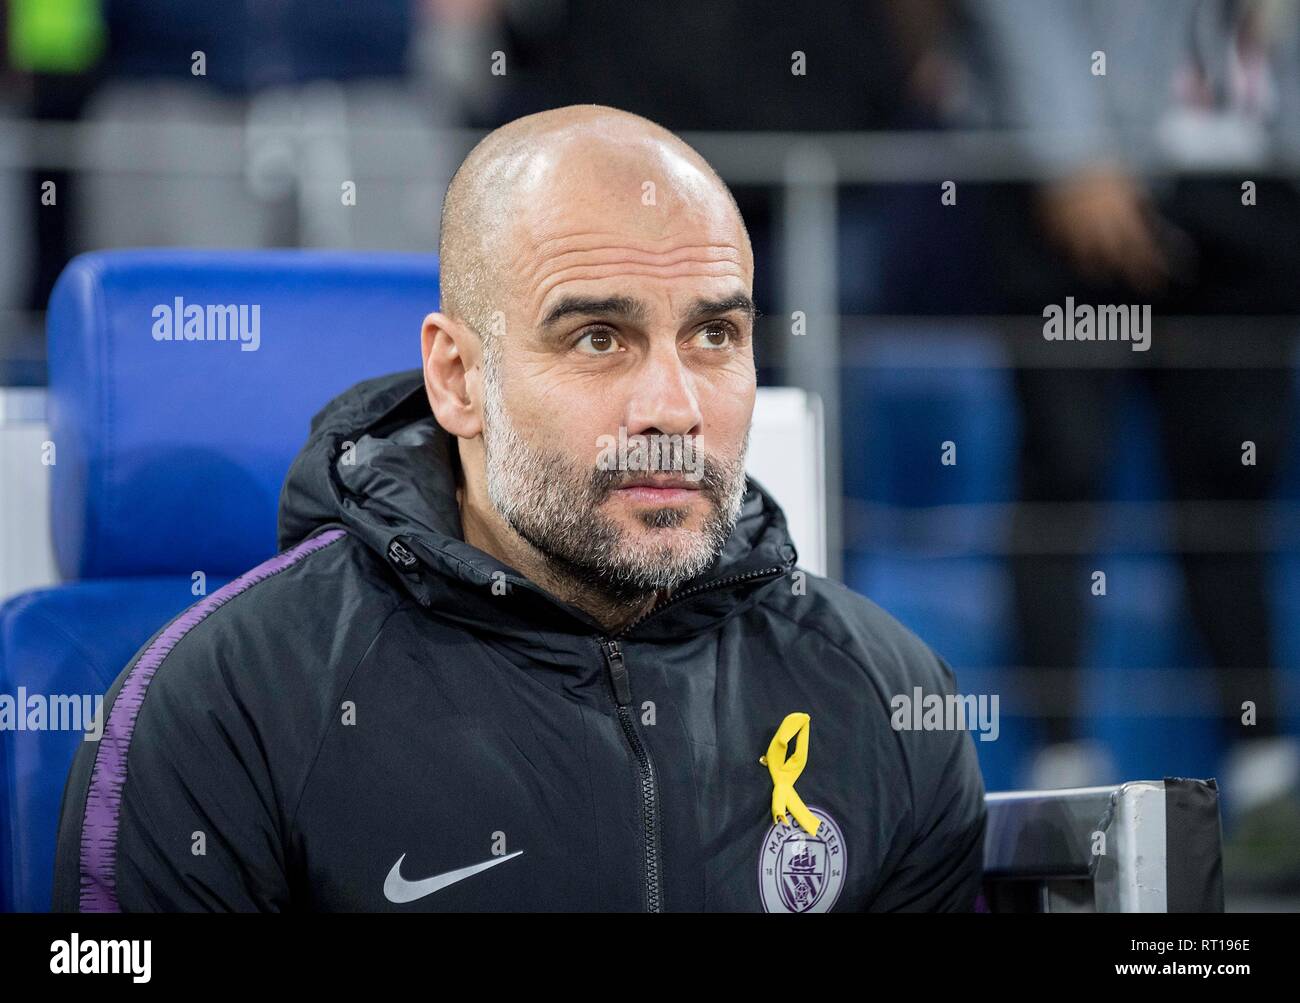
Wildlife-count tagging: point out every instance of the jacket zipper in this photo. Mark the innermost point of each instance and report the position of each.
(706, 587)
(623, 698)
(645, 765)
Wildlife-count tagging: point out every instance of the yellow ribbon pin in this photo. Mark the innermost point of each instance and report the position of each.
(786, 771)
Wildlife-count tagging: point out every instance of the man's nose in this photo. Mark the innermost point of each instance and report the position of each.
(663, 396)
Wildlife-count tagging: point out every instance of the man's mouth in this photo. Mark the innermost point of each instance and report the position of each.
(659, 490)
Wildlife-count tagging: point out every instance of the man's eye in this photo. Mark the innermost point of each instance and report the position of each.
(715, 336)
(600, 341)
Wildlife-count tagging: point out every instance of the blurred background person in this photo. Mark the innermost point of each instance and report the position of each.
(239, 124)
(722, 67)
(250, 114)
(1135, 115)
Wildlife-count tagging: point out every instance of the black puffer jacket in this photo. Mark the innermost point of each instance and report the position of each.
(386, 718)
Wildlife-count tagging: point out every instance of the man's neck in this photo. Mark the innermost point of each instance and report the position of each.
(490, 534)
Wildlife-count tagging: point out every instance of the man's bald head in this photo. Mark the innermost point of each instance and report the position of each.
(548, 159)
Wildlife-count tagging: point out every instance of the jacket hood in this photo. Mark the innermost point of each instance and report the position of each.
(378, 464)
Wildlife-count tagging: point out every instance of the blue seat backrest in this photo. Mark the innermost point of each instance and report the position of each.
(174, 419)
(171, 453)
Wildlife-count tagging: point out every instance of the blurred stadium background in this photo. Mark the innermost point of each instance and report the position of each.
(923, 319)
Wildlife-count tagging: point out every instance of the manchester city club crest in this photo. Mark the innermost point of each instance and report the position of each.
(802, 873)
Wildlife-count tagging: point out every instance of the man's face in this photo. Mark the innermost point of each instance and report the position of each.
(619, 385)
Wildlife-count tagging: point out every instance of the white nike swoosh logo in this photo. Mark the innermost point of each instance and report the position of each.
(398, 889)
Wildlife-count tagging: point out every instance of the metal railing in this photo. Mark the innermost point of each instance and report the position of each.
(807, 170)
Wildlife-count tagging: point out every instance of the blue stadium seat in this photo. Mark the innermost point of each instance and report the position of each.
(170, 457)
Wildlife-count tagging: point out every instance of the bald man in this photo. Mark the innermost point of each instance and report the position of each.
(534, 642)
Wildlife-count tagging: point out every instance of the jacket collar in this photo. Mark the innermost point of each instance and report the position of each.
(378, 463)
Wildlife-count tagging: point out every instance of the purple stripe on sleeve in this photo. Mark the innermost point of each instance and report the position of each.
(99, 827)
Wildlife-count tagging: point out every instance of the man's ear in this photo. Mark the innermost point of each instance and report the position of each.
(451, 354)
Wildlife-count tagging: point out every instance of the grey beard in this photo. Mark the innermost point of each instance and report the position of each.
(556, 509)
